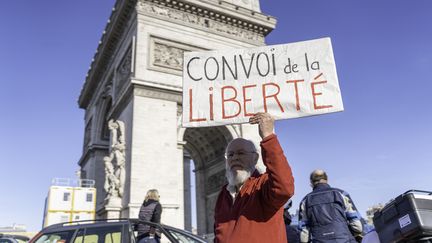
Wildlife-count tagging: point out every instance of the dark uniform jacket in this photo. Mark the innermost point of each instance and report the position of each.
(328, 215)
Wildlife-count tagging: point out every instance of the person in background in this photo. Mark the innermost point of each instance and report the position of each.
(150, 211)
(328, 214)
(249, 208)
(293, 235)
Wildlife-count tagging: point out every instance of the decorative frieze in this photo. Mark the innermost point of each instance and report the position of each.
(157, 93)
(205, 19)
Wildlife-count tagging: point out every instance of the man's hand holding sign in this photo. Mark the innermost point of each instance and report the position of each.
(265, 123)
(287, 81)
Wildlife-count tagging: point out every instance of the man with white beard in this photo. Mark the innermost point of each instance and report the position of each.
(250, 207)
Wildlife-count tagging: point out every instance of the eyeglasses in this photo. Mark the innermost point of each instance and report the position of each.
(231, 154)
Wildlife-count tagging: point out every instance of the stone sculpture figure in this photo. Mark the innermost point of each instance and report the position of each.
(111, 182)
(115, 163)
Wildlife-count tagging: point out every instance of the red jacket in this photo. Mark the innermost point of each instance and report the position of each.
(257, 212)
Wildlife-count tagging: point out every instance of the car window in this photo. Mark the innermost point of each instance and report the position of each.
(106, 234)
(79, 236)
(20, 241)
(7, 241)
(57, 237)
(113, 237)
(183, 238)
(86, 239)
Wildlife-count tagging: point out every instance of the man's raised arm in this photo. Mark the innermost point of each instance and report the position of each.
(280, 184)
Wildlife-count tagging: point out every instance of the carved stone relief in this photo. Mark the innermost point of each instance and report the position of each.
(167, 56)
(87, 134)
(123, 71)
(108, 88)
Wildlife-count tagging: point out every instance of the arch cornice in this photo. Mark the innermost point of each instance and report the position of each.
(219, 17)
(111, 37)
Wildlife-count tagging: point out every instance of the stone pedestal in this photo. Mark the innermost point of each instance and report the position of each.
(112, 208)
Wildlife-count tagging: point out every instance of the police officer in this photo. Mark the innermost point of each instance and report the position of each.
(328, 214)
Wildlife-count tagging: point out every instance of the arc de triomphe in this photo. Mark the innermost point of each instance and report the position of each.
(132, 98)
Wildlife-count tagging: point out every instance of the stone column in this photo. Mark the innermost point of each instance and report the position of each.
(156, 159)
(201, 202)
(187, 191)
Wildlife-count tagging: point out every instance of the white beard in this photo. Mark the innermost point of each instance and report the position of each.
(237, 177)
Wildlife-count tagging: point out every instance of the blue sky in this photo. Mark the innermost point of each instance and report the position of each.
(379, 147)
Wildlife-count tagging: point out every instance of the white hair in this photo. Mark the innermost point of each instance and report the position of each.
(250, 142)
(239, 176)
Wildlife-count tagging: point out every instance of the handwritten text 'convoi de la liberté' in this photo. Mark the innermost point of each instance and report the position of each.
(234, 86)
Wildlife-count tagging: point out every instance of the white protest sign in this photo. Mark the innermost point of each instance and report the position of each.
(288, 81)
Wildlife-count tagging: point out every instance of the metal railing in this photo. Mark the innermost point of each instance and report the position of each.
(73, 182)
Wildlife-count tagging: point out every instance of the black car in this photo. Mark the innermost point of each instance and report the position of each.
(6, 238)
(108, 231)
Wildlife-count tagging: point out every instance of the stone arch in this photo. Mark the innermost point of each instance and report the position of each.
(206, 147)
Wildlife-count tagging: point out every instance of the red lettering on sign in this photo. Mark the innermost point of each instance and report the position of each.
(211, 104)
(245, 99)
(296, 91)
(233, 99)
(265, 96)
(314, 94)
(191, 119)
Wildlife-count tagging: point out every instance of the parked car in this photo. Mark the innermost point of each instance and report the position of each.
(109, 231)
(6, 238)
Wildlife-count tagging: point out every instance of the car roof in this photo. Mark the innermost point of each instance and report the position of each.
(111, 222)
(81, 223)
